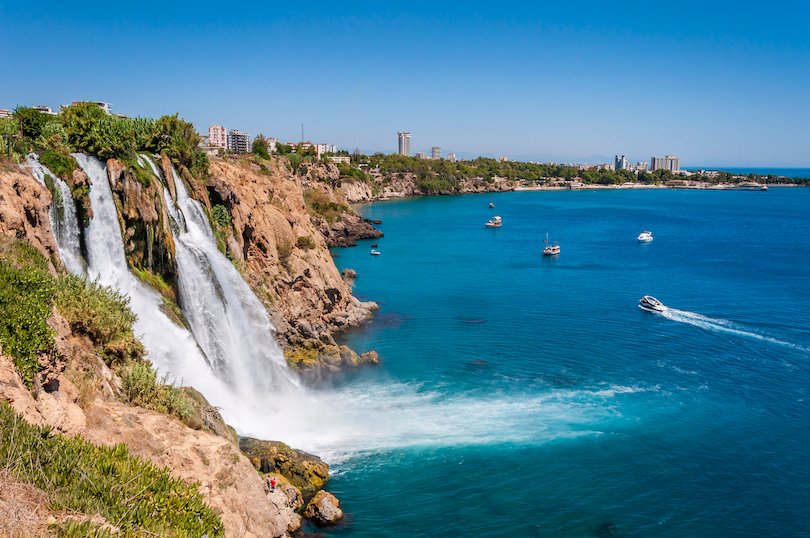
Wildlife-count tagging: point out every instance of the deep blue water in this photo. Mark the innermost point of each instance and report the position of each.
(784, 172)
(560, 408)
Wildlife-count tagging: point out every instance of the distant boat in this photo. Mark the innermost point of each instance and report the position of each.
(491, 205)
(375, 252)
(494, 222)
(748, 186)
(550, 249)
(645, 236)
(374, 245)
(651, 304)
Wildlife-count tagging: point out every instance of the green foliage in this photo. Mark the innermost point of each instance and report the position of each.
(100, 313)
(179, 140)
(140, 386)
(220, 215)
(60, 164)
(26, 301)
(260, 147)
(295, 161)
(53, 137)
(31, 121)
(283, 149)
(113, 137)
(305, 243)
(78, 121)
(132, 494)
(146, 133)
(320, 204)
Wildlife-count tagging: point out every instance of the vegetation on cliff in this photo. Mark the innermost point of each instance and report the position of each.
(131, 494)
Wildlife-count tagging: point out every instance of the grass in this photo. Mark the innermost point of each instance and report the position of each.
(130, 493)
(305, 242)
(140, 386)
(58, 163)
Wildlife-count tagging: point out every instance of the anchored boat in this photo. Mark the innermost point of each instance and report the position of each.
(550, 249)
(494, 222)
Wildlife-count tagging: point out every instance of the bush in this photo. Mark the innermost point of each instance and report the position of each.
(220, 215)
(60, 164)
(260, 147)
(78, 121)
(100, 313)
(53, 137)
(140, 386)
(305, 243)
(132, 494)
(320, 204)
(26, 301)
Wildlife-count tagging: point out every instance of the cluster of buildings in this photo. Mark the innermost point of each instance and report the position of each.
(106, 107)
(220, 140)
(404, 148)
(669, 162)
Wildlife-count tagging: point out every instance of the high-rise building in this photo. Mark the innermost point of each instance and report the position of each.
(218, 136)
(404, 143)
(670, 162)
(238, 142)
(422, 155)
(435, 152)
(451, 157)
(620, 163)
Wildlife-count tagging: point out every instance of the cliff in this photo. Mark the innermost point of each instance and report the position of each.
(275, 239)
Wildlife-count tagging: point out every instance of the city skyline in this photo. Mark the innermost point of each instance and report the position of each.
(544, 83)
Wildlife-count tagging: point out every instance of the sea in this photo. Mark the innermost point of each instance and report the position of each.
(536, 399)
(781, 172)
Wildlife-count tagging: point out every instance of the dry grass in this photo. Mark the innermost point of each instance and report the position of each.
(23, 509)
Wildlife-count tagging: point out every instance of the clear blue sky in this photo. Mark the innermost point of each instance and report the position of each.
(723, 84)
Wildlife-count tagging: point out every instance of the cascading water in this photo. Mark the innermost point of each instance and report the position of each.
(227, 319)
(64, 223)
(246, 377)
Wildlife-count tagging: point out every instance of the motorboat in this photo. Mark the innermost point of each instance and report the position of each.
(645, 236)
(494, 222)
(375, 252)
(748, 186)
(651, 304)
(551, 249)
(491, 205)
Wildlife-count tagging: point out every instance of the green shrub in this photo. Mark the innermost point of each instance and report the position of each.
(78, 121)
(31, 121)
(320, 204)
(102, 314)
(220, 215)
(140, 386)
(305, 243)
(130, 493)
(60, 164)
(54, 137)
(26, 301)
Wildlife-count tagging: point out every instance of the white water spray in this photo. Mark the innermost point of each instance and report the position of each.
(63, 219)
(258, 395)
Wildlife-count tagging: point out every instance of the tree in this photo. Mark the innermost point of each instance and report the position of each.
(31, 121)
(260, 147)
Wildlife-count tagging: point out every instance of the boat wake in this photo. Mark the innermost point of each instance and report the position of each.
(724, 326)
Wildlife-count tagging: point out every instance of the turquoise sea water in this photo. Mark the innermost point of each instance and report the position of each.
(784, 172)
(545, 403)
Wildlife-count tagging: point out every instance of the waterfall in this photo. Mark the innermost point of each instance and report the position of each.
(227, 319)
(63, 219)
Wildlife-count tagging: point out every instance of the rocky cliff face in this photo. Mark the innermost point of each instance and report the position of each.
(402, 184)
(285, 259)
(24, 206)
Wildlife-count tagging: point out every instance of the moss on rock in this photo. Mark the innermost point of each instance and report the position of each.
(306, 472)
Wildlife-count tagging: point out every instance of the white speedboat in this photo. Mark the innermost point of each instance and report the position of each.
(645, 236)
(375, 252)
(491, 205)
(494, 222)
(651, 304)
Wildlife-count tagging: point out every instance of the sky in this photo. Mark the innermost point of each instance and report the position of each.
(715, 83)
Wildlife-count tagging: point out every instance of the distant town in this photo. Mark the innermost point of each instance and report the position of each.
(221, 140)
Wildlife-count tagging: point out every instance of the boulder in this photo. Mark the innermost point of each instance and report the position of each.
(306, 472)
(324, 509)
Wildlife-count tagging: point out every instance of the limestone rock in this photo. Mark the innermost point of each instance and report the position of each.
(306, 472)
(324, 509)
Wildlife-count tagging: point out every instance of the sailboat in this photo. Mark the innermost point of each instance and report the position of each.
(550, 250)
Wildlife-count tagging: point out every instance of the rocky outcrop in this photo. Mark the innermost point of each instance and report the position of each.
(147, 233)
(24, 207)
(324, 509)
(285, 258)
(347, 230)
(306, 472)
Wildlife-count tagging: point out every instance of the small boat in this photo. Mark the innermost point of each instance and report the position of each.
(375, 252)
(494, 222)
(374, 245)
(491, 205)
(645, 236)
(550, 249)
(651, 304)
(748, 186)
